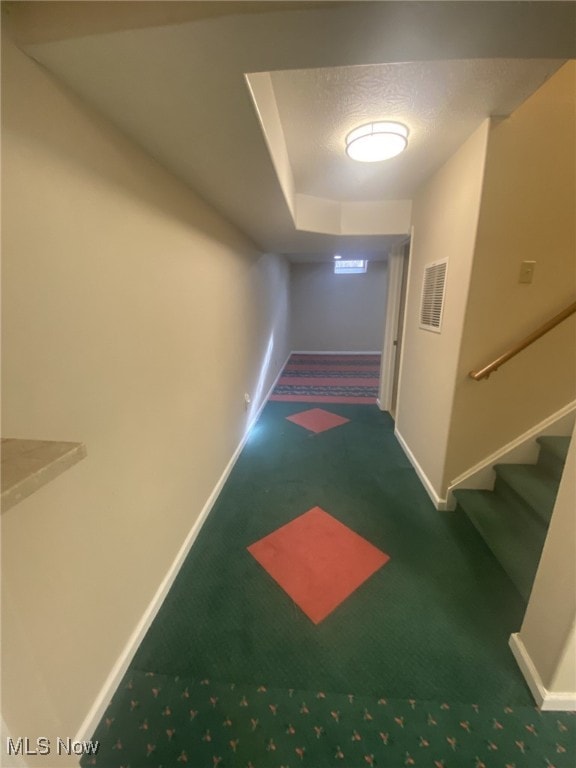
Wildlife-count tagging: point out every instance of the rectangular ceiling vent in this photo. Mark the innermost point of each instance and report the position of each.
(433, 295)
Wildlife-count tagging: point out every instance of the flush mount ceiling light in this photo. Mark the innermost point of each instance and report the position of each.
(337, 256)
(373, 142)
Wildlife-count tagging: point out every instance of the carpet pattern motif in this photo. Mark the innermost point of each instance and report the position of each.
(317, 420)
(317, 561)
(313, 378)
(164, 722)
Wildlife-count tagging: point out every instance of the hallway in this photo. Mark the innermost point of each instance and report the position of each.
(430, 627)
(179, 188)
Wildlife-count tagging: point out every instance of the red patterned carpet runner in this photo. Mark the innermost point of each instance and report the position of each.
(309, 378)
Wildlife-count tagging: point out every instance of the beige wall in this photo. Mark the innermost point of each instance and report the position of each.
(548, 628)
(134, 319)
(337, 312)
(445, 214)
(564, 678)
(527, 212)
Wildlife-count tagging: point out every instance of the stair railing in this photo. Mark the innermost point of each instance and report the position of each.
(484, 372)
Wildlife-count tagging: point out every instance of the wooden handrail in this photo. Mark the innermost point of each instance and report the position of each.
(483, 373)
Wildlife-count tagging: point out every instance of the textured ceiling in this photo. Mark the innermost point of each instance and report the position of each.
(441, 102)
(175, 84)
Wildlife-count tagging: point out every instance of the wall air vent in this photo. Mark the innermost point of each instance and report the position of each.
(432, 303)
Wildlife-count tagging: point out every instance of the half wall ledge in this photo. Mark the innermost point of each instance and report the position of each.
(27, 465)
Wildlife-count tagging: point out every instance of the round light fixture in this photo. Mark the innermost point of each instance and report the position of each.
(373, 142)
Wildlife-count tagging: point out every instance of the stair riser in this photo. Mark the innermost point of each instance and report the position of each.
(516, 540)
(513, 518)
(551, 462)
(520, 584)
(520, 506)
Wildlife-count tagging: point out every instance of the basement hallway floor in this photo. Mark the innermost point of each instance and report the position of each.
(409, 666)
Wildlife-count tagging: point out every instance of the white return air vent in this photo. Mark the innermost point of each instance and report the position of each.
(433, 295)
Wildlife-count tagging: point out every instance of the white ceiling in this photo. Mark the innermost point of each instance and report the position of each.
(171, 76)
(441, 103)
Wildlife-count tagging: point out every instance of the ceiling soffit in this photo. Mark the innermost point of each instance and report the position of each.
(178, 91)
(305, 116)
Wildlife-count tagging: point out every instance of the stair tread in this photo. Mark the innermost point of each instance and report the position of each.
(556, 445)
(533, 484)
(515, 541)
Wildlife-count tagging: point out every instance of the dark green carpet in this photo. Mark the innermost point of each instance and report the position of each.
(433, 624)
(413, 669)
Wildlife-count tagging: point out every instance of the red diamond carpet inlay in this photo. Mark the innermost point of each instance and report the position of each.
(318, 561)
(317, 419)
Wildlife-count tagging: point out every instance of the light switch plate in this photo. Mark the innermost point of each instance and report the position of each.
(527, 271)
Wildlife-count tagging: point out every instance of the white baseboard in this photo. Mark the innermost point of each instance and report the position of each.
(339, 352)
(122, 663)
(552, 701)
(522, 450)
(438, 502)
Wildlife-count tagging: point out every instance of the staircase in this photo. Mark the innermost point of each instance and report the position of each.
(513, 518)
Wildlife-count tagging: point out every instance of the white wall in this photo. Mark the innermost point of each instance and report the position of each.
(527, 212)
(336, 217)
(337, 312)
(495, 203)
(134, 319)
(548, 630)
(445, 216)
